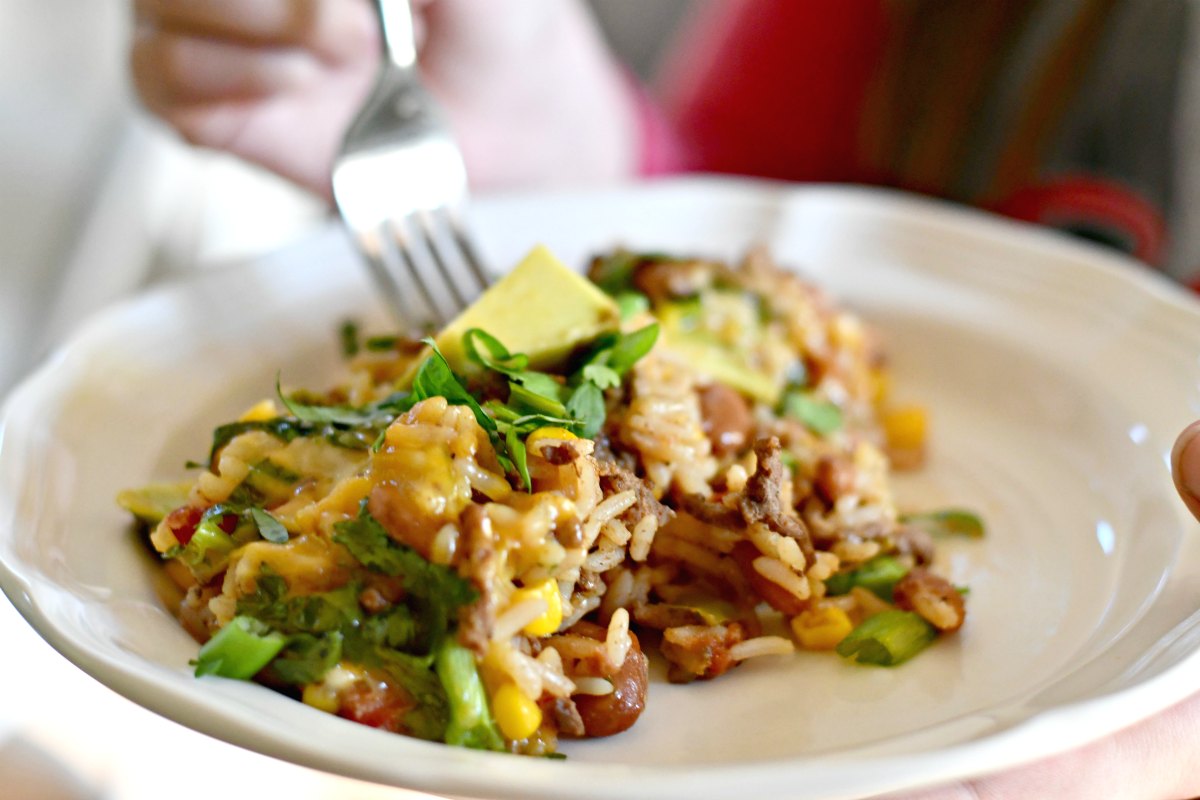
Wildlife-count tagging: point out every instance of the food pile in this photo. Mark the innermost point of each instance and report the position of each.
(475, 538)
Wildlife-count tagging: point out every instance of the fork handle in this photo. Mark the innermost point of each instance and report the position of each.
(396, 25)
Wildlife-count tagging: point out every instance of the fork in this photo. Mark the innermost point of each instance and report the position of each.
(399, 184)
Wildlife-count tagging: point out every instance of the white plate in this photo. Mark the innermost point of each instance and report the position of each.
(1057, 376)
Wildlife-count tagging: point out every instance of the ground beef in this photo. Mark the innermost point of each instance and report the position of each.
(479, 566)
(615, 478)
(762, 501)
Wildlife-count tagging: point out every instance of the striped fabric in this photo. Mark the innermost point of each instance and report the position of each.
(1079, 114)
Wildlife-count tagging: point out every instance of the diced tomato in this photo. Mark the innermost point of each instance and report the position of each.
(375, 704)
(183, 521)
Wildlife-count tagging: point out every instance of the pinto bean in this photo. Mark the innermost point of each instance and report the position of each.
(606, 714)
(931, 596)
(834, 478)
(726, 418)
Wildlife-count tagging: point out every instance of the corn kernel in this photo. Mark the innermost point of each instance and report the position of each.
(821, 628)
(320, 697)
(905, 427)
(548, 433)
(880, 385)
(547, 592)
(517, 715)
(260, 412)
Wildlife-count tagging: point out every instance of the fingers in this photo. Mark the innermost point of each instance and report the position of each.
(329, 28)
(171, 69)
(1185, 467)
(1155, 759)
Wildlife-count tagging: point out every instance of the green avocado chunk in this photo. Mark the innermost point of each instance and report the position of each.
(152, 503)
(718, 361)
(541, 309)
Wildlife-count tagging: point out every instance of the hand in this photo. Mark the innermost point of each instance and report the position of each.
(1157, 759)
(532, 94)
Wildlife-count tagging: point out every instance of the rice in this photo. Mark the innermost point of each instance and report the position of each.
(779, 574)
(761, 646)
(517, 617)
(617, 641)
(658, 522)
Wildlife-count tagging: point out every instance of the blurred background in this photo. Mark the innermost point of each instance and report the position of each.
(97, 201)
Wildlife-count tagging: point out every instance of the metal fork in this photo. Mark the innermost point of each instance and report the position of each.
(400, 185)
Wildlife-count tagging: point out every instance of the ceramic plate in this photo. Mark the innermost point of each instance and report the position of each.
(1056, 374)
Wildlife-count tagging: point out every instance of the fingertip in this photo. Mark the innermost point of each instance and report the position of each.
(1185, 466)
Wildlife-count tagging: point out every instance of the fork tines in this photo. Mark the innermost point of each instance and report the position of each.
(425, 254)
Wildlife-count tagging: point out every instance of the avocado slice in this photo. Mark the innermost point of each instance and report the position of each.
(154, 502)
(713, 358)
(542, 309)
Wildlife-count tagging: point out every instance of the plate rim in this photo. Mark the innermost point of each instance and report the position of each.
(1152, 694)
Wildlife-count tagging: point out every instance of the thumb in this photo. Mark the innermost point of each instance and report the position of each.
(1185, 466)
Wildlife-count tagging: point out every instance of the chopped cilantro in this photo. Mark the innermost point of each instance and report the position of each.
(820, 416)
(348, 335)
(269, 527)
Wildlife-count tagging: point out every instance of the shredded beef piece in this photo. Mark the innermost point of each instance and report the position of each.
(195, 615)
(761, 501)
(933, 597)
(710, 512)
(700, 651)
(479, 566)
(661, 616)
(915, 542)
(373, 601)
(567, 718)
(590, 582)
(603, 452)
(662, 281)
(615, 478)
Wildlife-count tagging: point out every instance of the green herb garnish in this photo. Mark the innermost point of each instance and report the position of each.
(822, 417)
(879, 575)
(239, 650)
(269, 527)
(947, 522)
(888, 638)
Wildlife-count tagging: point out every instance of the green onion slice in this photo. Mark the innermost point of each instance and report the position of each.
(239, 650)
(947, 522)
(888, 638)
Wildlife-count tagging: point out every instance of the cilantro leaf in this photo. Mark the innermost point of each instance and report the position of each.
(348, 335)
(430, 715)
(369, 543)
(269, 527)
(498, 358)
(604, 376)
(819, 416)
(307, 657)
(435, 591)
(383, 411)
(586, 406)
(630, 303)
(631, 347)
(434, 378)
(516, 449)
(539, 402)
